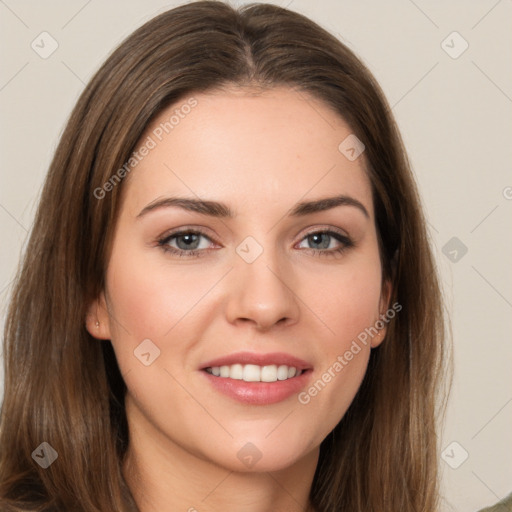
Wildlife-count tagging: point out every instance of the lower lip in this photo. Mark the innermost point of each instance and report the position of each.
(258, 393)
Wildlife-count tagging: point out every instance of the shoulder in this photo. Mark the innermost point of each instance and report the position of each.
(505, 505)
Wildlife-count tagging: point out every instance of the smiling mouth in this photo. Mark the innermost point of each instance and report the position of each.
(255, 373)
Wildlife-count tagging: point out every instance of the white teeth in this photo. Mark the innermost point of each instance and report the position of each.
(282, 372)
(255, 373)
(236, 371)
(269, 373)
(251, 373)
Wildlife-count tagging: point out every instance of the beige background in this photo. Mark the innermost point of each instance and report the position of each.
(455, 117)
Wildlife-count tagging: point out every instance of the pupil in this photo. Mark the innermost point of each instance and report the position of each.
(317, 239)
(188, 239)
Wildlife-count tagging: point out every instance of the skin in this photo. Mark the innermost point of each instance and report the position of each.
(260, 153)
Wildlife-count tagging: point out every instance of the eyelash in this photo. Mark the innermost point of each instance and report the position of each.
(343, 239)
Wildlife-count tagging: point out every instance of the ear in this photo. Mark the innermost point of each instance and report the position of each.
(97, 321)
(382, 322)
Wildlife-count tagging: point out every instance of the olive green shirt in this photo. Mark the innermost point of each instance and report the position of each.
(505, 505)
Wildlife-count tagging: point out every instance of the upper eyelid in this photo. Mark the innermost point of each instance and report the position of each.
(203, 231)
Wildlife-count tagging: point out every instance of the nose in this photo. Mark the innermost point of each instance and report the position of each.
(262, 294)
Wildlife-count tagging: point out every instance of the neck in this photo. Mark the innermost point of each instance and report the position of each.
(164, 476)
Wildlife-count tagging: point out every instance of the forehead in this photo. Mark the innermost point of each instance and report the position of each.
(249, 149)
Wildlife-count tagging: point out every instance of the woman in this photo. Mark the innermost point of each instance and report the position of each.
(228, 300)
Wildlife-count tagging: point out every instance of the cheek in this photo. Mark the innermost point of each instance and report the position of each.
(349, 308)
(150, 301)
(148, 297)
(348, 300)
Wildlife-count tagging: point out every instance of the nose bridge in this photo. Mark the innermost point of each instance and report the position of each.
(262, 286)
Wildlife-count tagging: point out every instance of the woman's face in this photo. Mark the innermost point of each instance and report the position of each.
(219, 265)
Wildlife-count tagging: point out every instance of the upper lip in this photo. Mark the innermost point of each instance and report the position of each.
(277, 358)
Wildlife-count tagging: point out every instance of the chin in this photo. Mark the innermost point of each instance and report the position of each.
(259, 457)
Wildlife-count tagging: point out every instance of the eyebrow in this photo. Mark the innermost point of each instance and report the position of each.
(221, 210)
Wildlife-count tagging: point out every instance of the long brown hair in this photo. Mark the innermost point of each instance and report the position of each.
(64, 387)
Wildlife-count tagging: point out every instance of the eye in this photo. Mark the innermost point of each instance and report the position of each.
(185, 243)
(327, 242)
